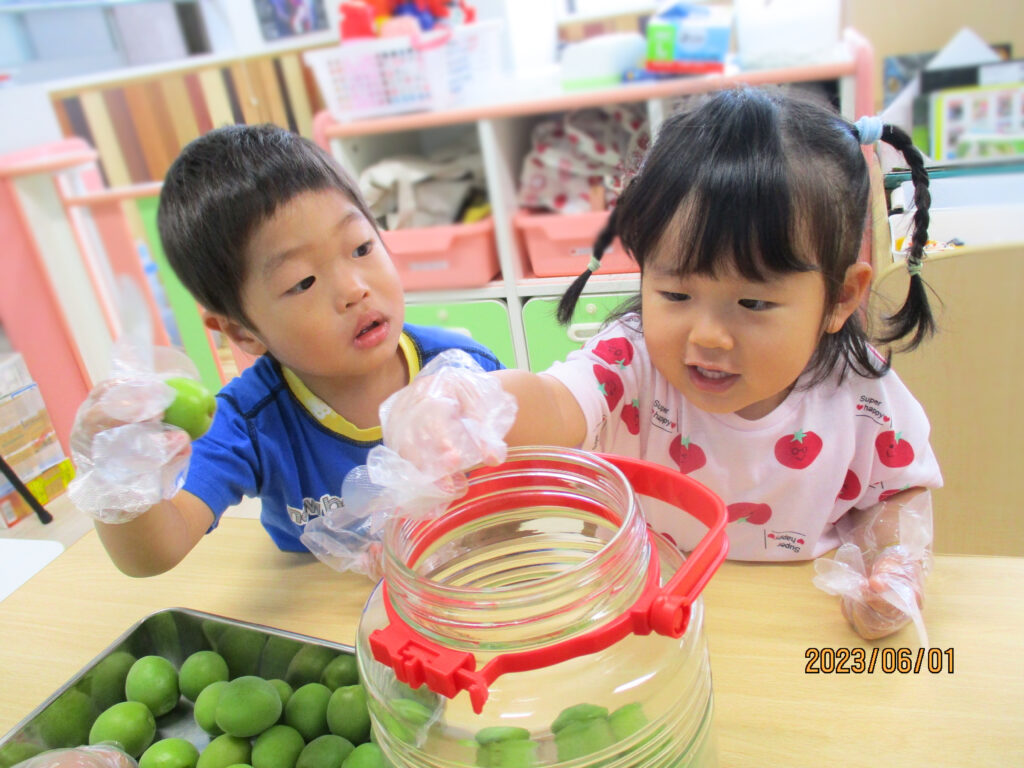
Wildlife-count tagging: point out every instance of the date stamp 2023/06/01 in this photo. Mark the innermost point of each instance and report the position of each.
(889, 661)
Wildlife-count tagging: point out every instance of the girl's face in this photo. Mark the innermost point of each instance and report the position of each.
(729, 344)
(322, 292)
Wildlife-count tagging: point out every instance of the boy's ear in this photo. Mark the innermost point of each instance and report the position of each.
(856, 284)
(242, 337)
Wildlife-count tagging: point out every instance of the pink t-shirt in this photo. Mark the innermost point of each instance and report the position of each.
(785, 478)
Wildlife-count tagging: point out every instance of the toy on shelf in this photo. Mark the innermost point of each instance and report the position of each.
(683, 38)
(409, 71)
(357, 20)
(371, 18)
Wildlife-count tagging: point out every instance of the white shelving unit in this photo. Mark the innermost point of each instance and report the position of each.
(503, 133)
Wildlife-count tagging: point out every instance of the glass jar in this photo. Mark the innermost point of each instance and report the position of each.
(539, 622)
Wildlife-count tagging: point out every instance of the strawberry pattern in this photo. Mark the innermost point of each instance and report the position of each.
(851, 486)
(687, 455)
(617, 351)
(631, 416)
(893, 449)
(798, 450)
(749, 512)
(609, 384)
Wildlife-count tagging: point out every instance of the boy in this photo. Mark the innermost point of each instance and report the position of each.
(275, 242)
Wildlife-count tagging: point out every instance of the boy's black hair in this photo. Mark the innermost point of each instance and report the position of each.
(221, 187)
(765, 183)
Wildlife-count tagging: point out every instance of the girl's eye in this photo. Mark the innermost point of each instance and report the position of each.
(303, 286)
(755, 304)
(671, 296)
(363, 249)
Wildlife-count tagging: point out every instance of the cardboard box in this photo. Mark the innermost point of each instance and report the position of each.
(29, 445)
(13, 373)
(46, 486)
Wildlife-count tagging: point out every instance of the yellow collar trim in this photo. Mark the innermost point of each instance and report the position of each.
(333, 420)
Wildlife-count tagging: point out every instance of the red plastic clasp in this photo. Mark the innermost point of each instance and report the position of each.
(417, 661)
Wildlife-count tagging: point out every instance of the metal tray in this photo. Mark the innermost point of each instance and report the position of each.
(250, 649)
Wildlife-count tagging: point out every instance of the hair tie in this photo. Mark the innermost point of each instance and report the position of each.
(913, 267)
(869, 129)
(594, 265)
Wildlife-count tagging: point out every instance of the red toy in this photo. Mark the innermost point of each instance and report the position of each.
(359, 17)
(356, 20)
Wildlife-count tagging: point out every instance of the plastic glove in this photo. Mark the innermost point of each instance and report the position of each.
(99, 756)
(452, 417)
(892, 597)
(882, 587)
(126, 459)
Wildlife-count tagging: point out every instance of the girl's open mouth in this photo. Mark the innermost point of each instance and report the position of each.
(711, 380)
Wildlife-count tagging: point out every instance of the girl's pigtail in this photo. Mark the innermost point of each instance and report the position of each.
(572, 294)
(915, 316)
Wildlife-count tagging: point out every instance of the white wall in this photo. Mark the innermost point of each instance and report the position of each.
(36, 123)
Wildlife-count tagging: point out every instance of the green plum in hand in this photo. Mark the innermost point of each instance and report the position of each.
(192, 409)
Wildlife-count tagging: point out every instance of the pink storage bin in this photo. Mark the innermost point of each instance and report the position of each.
(439, 258)
(559, 245)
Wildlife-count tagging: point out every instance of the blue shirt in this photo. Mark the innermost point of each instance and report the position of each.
(265, 442)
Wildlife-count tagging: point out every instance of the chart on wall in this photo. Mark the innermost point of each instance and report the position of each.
(981, 121)
(281, 19)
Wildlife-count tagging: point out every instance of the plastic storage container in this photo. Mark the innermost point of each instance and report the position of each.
(786, 33)
(485, 321)
(389, 75)
(548, 341)
(539, 623)
(559, 245)
(439, 258)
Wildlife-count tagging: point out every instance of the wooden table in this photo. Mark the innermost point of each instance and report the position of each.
(761, 619)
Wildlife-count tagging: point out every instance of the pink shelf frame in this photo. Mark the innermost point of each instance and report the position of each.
(30, 309)
(860, 66)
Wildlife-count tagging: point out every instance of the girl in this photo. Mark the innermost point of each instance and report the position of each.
(743, 361)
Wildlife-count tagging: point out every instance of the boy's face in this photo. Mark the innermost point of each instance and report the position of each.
(322, 291)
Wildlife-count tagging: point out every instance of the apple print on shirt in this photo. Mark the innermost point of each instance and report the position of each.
(610, 385)
(798, 450)
(687, 455)
(617, 352)
(631, 416)
(851, 487)
(893, 450)
(749, 512)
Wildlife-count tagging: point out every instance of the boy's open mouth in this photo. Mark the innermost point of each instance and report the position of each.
(368, 328)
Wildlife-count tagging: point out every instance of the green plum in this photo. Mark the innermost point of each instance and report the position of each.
(193, 407)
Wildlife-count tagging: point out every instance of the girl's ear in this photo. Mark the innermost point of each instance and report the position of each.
(243, 337)
(856, 284)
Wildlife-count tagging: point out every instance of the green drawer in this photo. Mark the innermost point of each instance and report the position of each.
(485, 321)
(548, 342)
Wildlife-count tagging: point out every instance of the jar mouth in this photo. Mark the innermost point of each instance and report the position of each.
(540, 548)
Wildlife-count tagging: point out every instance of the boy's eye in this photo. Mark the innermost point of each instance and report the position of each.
(363, 249)
(303, 286)
(672, 296)
(755, 304)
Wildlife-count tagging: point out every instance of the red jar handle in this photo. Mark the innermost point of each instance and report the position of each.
(670, 608)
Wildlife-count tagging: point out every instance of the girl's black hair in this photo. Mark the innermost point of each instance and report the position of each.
(765, 183)
(220, 188)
